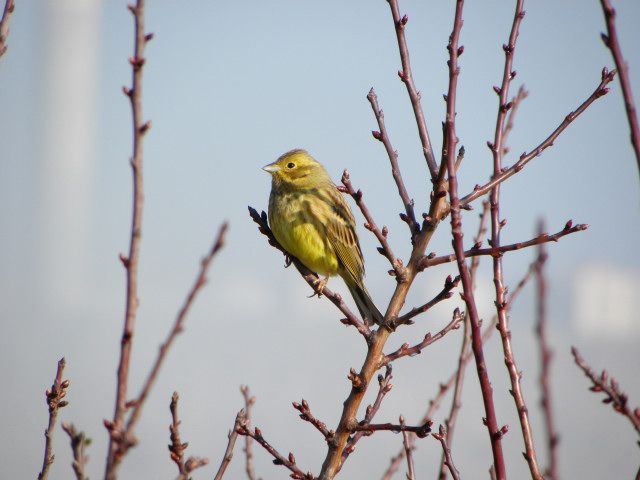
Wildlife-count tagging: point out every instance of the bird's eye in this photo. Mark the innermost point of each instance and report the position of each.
(291, 165)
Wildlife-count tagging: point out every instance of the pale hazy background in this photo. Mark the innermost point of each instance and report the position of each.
(229, 86)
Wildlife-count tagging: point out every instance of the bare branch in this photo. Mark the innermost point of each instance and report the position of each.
(610, 387)
(383, 136)
(307, 416)
(249, 400)
(289, 461)
(515, 104)
(611, 41)
(370, 225)
(9, 6)
(525, 158)
(406, 350)
(497, 251)
(444, 294)
(420, 430)
(441, 436)
(407, 78)
(54, 398)
(118, 443)
(78, 444)
(233, 435)
(553, 439)
(408, 449)
(177, 447)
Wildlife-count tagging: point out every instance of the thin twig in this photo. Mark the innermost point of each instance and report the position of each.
(118, 442)
(385, 387)
(444, 294)
(408, 449)
(177, 447)
(381, 235)
(54, 398)
(497, 251)
(9, 6)
(233, 435)
(601, 90)
(441, 436)
(405, 350)
(609, 386)
(383, 136)
(414, 95)
(611, 41)
(551, 472)
(420, 430)
(289, 461)
(491, 421)
(307, 416)
(78, 443)
(497, 149)
(515, 104)
(249, 401)
(456, 401)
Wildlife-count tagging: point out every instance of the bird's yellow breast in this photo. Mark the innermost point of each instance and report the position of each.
(298, 230)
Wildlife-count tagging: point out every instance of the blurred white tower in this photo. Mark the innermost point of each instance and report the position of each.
(70, 74)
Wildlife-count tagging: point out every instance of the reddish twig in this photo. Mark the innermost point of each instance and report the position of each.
(54, 398)
(609, 386)
(383, 136)
(307, 416)
(177, 447)
(420, 430)
(118, 444)
(441, 436)
(289, 461)
(407, 78)
(233, 436)
(499, 250)
(601, 90)
(456, 402)
(553, 439)
(458, 246)
(310, 277)
(9, 6)
(78, 444)
(408, 449)
(381, 235)
(515, 104)
(497, 149)
(444, 294)
(406, 350)
(249, 400)
(385, 387)
(611, 41)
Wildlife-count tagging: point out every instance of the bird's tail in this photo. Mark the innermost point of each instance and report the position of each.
(365, 305)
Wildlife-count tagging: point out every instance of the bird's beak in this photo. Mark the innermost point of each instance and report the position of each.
(271, 168)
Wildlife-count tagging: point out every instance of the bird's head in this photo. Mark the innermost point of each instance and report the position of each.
(297, 169)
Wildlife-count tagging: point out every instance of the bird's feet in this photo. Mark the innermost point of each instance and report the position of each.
(318, 285)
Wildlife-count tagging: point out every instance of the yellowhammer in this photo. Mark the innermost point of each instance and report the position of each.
(313, 223)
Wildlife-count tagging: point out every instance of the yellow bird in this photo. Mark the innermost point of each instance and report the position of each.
(312, 222)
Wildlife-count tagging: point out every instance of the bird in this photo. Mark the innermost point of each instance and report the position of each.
(312, 222)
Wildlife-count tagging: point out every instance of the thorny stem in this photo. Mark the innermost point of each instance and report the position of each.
(611, 41)
(9, 6)
(479, 191)
(177, 447)
(383, 137)
(458, 246)
(618, 399)
(249, 400)
(497, 149)
(54, 397)
(118, 443)
(551, 472)
(497, 251)
(456, 402)
(233, 436)
(78, 442)
(407, 78)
